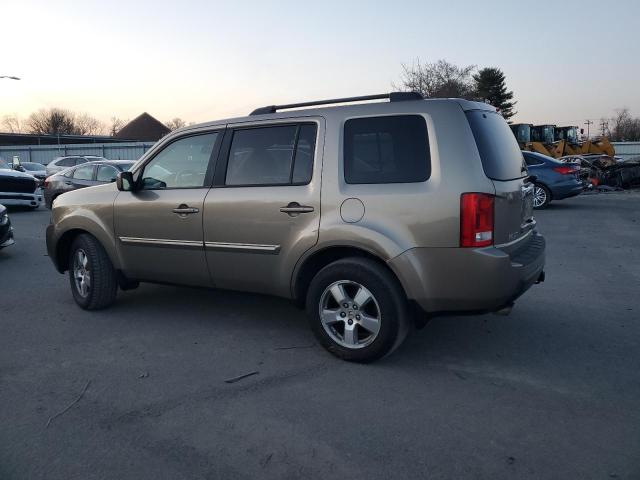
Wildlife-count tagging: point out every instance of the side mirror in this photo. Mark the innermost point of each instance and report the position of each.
(16, 163)
(124, 181)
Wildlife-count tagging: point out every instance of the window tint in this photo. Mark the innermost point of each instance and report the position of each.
(106, 173)
(305, 148)
(83, 173)
(532, 160)
(265, 156)
(499, 151)
(81, 160)
(391, 149)
(182, 164)
(67, 162)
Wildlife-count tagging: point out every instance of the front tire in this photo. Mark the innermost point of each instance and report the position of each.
(93, 279)
(357, 310)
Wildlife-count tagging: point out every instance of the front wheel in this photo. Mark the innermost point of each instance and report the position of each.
(92, 277)
(541, 196)
(357, 310)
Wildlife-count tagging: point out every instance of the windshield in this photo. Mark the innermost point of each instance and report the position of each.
(500, 154)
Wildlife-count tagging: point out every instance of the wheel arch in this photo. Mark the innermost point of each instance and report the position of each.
(312, 264)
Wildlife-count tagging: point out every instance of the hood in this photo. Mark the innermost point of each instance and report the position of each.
(14, 174)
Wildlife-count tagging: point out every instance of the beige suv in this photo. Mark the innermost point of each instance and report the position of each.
(370, 214)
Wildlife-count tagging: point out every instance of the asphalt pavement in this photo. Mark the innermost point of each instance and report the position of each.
(138, 391)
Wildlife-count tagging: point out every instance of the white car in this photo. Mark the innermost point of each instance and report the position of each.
(62, 163)
(18, 188)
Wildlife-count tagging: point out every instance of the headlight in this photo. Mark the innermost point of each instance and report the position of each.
(4, 219)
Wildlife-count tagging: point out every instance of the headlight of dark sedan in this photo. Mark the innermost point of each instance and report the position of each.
(4, 219)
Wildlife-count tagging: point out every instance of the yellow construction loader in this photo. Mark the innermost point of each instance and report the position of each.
(558, 141)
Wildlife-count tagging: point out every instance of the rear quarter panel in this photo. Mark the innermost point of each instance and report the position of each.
(401, 216)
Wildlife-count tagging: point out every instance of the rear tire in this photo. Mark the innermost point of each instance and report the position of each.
(94, 283)
(357, 310)
(541, 197)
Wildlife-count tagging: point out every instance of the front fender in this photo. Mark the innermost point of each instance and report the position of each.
(73, 214)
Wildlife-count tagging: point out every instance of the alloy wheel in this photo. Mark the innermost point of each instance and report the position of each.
(350, 314)
(539, 196)
(81, 273)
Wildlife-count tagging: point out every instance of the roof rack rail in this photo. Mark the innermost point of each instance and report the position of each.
(393, 97)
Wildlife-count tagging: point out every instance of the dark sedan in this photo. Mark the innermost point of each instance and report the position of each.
(554, 180)
(6, 232)
(81, 176)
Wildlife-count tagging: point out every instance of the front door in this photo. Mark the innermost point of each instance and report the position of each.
(264, 210)
(159, 225)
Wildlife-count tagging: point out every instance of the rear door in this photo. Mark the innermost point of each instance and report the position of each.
(504, 164)
(264, 210)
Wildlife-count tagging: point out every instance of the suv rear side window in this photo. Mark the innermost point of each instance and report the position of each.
(499, 151)
(273, 155)
(67, 162)
(393, 149)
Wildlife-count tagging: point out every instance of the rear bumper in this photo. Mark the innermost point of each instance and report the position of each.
(448, 280)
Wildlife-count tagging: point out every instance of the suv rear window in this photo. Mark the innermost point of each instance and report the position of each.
(393, 149)
(499, 151)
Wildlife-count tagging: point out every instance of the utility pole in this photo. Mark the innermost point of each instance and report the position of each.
(604, 125)
(588, 123)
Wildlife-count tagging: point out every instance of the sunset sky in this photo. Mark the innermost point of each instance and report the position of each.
(200, 60)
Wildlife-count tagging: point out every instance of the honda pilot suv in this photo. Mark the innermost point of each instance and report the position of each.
(370, 215)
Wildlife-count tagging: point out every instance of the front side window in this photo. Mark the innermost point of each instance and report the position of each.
(106, 173)
(83, 173)
(393, 149)
(182, 164)
(274, 155)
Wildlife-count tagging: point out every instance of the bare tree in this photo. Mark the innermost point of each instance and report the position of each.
(85, 124)
(624, 127)
(115, 125)
(175, 123)
(440, 79)
(12, 124)
(56, 121)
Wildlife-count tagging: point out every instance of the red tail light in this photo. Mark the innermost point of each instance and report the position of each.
(476, 220)
(45, 184)
(565, 170)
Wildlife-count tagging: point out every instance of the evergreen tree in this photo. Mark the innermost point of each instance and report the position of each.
(491, 86)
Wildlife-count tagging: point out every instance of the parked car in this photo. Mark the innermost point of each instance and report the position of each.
(555, 180)
(36, 169)
(370, 215)
(6, 231)
(81, 176)
(18, 188)
(62, 163)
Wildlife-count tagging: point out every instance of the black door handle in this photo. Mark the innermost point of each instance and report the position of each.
(295, 209)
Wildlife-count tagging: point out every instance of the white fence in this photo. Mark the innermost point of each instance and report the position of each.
(45, 153)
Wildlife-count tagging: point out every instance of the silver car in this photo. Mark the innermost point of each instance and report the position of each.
(62, 163)
(371, 216)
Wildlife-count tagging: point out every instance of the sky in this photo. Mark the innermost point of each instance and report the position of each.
(566, 61)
